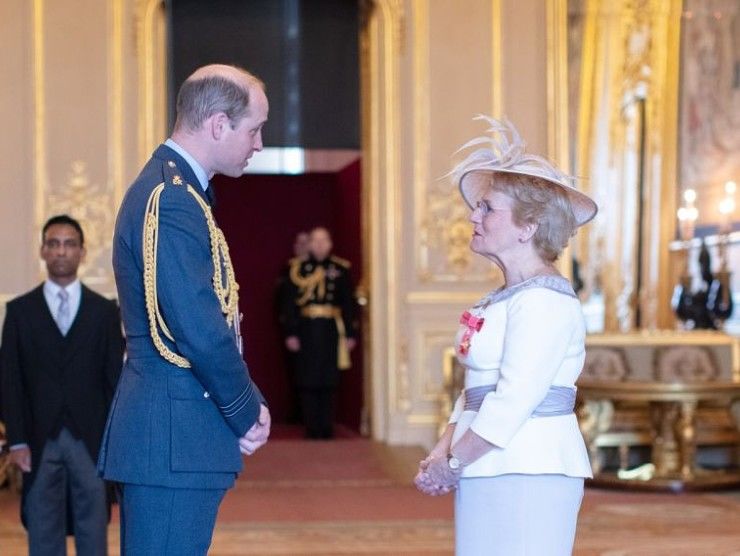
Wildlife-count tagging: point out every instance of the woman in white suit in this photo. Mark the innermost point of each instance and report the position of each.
(513, 450)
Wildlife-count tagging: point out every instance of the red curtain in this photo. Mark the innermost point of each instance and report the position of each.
(260, 216)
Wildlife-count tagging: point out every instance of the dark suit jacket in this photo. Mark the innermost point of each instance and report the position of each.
(171, 426)
(45, 375)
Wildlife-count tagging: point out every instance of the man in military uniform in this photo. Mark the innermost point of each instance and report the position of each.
(185, 408)
(318, 319)
(283, 289)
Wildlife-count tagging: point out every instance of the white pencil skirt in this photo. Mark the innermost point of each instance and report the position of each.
(517, 515)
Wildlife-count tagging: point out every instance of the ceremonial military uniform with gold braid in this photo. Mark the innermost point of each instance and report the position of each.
(319, 309)
(185, 395)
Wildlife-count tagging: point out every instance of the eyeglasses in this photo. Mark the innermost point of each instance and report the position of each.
(485, 208)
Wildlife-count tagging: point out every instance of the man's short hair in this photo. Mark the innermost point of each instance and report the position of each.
(201, 98)
(65, 220)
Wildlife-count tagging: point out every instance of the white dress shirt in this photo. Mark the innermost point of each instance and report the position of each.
(533, 337)
(51, 291)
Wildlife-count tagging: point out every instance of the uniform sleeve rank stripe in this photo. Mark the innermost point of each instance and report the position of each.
(237, 400)
(241, 406)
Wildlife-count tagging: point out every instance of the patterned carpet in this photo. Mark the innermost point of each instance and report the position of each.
(352, 497)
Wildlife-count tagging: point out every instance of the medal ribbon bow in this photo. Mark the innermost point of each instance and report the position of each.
(472, 324)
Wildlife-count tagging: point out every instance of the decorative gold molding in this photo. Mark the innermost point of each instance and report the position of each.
(657, 338)
(440, 220)
(457, 298)
(666, 200)
(497, 70)
(557, 82)
(381, 40)
(116, 94)
(392, 11)
(427, 342)
(557, 96)
(421, 126)
(425, 419)
(629, 62)
(75, 199)
(150, 43)
(41, 178)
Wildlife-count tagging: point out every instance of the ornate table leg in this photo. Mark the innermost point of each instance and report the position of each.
(686, 433)
(665, 452)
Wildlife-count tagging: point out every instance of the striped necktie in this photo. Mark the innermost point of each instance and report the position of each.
(63, 313)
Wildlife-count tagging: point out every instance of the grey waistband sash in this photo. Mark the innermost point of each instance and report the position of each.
(560, 400)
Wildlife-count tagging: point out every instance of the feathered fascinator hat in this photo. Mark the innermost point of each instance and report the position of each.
(503, 152)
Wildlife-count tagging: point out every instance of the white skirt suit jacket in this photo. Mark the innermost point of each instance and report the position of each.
(532, 338)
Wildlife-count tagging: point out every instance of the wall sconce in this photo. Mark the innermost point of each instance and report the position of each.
(687, 215)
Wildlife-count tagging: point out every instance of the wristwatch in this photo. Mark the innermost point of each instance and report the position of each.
(454, 463)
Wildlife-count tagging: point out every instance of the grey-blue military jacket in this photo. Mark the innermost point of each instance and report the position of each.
(168, 425)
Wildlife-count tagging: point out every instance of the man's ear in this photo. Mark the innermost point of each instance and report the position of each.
(217, 125)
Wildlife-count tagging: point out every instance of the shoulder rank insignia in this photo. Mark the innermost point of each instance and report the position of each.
(340, 261)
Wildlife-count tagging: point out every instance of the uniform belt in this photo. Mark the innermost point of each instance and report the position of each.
(331, 312)
(560, 400)
(321, 312)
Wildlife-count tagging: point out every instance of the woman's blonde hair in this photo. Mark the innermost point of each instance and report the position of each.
(537, 201)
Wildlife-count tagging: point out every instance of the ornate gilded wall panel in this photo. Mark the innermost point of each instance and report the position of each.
(441, 228)
(418, 105)
(625, 151)
(70, 66)
(79, 139)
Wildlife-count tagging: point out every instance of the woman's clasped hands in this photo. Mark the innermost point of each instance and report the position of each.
(435, 476)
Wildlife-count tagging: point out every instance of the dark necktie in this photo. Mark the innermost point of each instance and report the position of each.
(211, 194)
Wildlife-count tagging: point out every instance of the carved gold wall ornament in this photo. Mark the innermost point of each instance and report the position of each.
(93, 205)
(605, 364)
(685, 364)
(445, 241)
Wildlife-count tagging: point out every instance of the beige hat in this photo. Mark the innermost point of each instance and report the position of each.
(505, 154)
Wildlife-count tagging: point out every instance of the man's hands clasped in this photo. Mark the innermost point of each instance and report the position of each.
(257, 436)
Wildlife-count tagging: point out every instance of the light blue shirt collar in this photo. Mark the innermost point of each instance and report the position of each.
(200, 173)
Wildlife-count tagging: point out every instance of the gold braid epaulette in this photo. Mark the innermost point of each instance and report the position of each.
(228, 296)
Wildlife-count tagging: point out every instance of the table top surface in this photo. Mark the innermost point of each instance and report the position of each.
(658, 390)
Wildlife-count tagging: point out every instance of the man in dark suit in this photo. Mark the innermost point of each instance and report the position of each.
(186, 408)
(60, 359)
(318, 319)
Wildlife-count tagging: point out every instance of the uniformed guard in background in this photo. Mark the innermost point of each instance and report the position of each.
(283, 290)
(318, 315)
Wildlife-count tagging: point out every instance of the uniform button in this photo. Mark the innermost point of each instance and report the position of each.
(206, 395)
